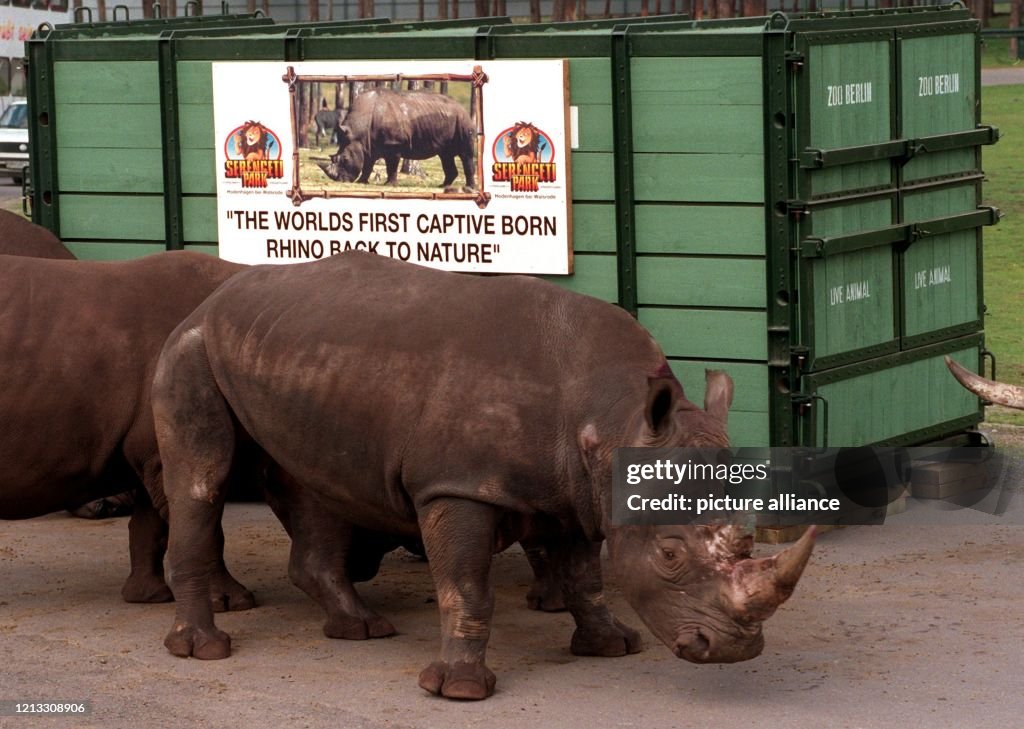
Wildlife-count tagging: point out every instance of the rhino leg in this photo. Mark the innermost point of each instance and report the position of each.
(468, 170)
(197, 442)
(147, 543)
(391, 162)
(450, 171)
(459, 536)
(577, 565)
(367, 169)
(546, 591)
(317, 564)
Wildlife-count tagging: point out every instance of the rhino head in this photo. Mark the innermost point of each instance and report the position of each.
(697, 588)
(347, 163)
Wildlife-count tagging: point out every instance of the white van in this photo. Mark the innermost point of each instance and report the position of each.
(14, 140)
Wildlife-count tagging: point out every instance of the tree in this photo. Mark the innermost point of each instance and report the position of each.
(314, 9)
(1015, 23)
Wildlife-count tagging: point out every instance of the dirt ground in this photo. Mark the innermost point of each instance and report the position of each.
(891, 626)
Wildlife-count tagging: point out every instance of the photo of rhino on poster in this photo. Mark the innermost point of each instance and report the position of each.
(463, 165)
(393, 135)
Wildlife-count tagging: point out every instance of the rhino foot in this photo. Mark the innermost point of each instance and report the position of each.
(350, 627)
(545, 597)
(227, 593)
(208, 645)
(146, 589)
(459, 680)
(607, 641)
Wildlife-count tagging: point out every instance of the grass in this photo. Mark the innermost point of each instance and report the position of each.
(1004, 265)
(312, 176)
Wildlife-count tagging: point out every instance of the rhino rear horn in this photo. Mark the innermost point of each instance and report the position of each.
(759, 586)
(1009, 395)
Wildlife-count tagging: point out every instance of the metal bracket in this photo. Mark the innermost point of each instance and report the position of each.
(804, 404)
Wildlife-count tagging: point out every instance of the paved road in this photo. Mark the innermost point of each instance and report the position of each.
(9, 193)
(1002, 76)
(892, 626)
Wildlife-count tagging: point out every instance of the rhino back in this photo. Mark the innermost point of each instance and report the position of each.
(375, 369)
(78, 345)
(19, 237)
(420, 123)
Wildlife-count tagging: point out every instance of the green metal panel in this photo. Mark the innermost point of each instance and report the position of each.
(845, 101)
(903, 398)
(110, 170)
(849, 300)
(941, 274)
(939, 96)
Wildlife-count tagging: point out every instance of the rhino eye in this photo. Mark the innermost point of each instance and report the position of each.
(668, 553)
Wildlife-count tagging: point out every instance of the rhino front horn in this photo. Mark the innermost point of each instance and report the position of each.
(1008, 395)
(759, 586)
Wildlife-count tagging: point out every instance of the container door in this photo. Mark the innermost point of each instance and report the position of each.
(903, 398)
(939, 103)
(845, 184)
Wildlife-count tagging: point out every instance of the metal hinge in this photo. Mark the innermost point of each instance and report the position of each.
(797, 208)
(795, 59)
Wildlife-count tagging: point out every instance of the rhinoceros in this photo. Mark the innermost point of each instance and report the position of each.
(465, 411)
(79, 342)
(414, 125)
(1011, 396)
(19, 237)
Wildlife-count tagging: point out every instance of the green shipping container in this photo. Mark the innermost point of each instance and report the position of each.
(795, 200)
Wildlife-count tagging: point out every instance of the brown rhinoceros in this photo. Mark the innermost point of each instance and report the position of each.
(1011, 396)
(469, 412)
(78, 346)
(393, 125)
(19, 237)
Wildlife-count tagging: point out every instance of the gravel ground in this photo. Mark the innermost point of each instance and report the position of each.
(891, 626)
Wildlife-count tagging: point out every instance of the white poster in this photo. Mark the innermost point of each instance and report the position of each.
(460, 165)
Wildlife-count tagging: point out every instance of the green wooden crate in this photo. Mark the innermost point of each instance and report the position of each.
(792, 199)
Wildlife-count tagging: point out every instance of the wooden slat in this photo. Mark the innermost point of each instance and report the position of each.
(698, 177)
(593, 176)
(110, 170)
(593, 227)
(100, 126)
(682, 81)
(714, 229)
(697, 128)
(106, 82)
(750, 380)
(111, 250)
(112, 217)
(691, 281)
(708, 333)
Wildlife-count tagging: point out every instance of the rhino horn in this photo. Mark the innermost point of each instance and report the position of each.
(1009, 395)
(759, 586)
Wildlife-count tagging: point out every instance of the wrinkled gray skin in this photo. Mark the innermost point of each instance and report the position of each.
(78, 346)
(469, 412)
(1011, 396)
(403, 124)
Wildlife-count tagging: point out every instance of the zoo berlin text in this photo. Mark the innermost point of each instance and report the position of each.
(385, 233)
(670, 486)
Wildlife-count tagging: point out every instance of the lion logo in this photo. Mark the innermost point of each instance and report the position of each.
(253, 141)
(522, 143)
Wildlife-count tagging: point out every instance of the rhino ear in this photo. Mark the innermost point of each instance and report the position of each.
(663, 394)
(718, 392)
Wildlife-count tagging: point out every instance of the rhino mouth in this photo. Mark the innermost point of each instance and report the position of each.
(699, 646)
(330, 170)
